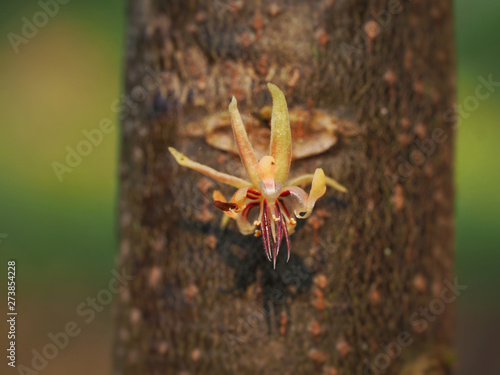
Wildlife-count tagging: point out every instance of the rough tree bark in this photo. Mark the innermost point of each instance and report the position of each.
(365, 289)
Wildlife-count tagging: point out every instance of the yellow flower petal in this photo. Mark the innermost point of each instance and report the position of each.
(244, 225)
(244, 147)
(218, 196)
(305, 204)
(207, 171)
(318, 187)
(307, 178)
(240, 197)
(281, 136)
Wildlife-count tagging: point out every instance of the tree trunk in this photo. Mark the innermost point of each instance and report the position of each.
(369, 286)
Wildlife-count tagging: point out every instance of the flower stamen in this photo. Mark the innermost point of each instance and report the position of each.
(274, 230)
(266, 236)
(284, 211)
(286, 239)
(280, 227)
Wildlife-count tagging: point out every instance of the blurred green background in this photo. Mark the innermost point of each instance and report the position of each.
(62, 234)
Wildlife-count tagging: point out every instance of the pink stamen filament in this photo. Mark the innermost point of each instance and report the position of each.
(280, 229)
(265, 228)
(284, 210)
(269, 232)
(249, 206)
(286, 238)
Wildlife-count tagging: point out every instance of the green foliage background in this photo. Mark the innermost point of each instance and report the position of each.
(63, 234)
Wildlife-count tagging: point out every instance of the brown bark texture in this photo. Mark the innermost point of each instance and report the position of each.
(369, 286)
